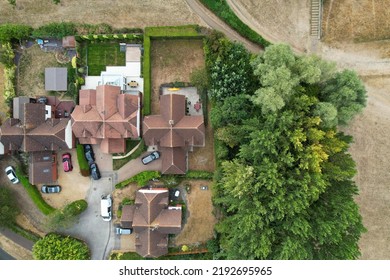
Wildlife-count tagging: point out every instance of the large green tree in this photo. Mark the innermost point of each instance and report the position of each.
(347, 93)
(58, 247)
(292, 175)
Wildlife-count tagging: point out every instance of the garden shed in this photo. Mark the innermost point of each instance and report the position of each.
(56, 79)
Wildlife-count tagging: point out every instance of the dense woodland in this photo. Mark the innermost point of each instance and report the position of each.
(284, 180)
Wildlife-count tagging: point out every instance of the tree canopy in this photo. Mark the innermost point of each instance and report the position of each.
(10, 32)
(58, 247)
(284, 170)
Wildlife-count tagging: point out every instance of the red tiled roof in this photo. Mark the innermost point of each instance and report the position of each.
(173, 132)
(153, 220)
(107, 117)
(32, 132)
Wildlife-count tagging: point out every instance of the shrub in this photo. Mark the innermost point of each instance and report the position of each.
(198, 174)
(76, 207)
(141, 179)
(10, 32)
(34, 194)
(55, 30)
(58, 247)
(84, 167)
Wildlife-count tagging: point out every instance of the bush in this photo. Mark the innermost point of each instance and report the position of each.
(198, 174)
(11, 32)
(55, 30)
(58, 247)
(76, 207)
(141, 179)
(34, 194)
(84, 167)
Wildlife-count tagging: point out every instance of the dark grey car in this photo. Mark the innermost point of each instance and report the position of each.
(95, 173)
(50, 188)
(89, 154)
(151, 157)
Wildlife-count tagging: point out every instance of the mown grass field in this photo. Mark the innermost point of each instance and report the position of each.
(100, 55)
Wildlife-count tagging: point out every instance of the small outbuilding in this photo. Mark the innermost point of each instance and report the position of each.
(69, 42)
(56, 79)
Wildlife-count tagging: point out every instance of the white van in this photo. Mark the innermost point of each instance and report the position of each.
(106, 207)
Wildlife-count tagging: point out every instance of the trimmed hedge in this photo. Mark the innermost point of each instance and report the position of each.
(168, 32)
(34, 194)
(147, 73)
(223, 11)
(198, 174)
(141, 179)
(84, 167)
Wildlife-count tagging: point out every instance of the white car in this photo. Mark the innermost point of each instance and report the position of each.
(106, 207)
(10, 171)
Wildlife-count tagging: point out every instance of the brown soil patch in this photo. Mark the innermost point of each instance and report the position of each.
(356, 20)
(200, 220)
(118, 13)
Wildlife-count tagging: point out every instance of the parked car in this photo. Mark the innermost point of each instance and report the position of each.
(67, 162)
(106, 207)
(176, 193)
(123, 231)
(95, 173)
(42, 100)
(50, 188)
(10, 171)
(89, 154)
(151, 157)
(204, 188)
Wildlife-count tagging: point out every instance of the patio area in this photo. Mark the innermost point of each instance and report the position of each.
(194, 103)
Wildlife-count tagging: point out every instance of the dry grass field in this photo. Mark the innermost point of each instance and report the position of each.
(31, 77)
(117, 13)
(356, 20)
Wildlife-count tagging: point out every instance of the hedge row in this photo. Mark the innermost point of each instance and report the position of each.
(141, 179)
(84, 167)
(147, 73)
(223, 11)
(34, 194)
(198, 174)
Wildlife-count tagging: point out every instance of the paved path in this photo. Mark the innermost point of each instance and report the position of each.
(24, 242)
(135, 166)
(214, 22)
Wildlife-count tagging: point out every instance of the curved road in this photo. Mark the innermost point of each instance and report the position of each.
(214, 22)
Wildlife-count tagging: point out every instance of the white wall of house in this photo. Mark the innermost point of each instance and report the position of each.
(68, 135)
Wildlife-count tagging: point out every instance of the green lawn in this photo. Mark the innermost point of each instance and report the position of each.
(104, 54)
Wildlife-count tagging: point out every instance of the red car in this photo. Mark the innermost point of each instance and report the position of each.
(67, 162)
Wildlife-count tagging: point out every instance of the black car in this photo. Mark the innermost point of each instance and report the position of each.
(51, 189)
(95, 173)
(89, 154)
